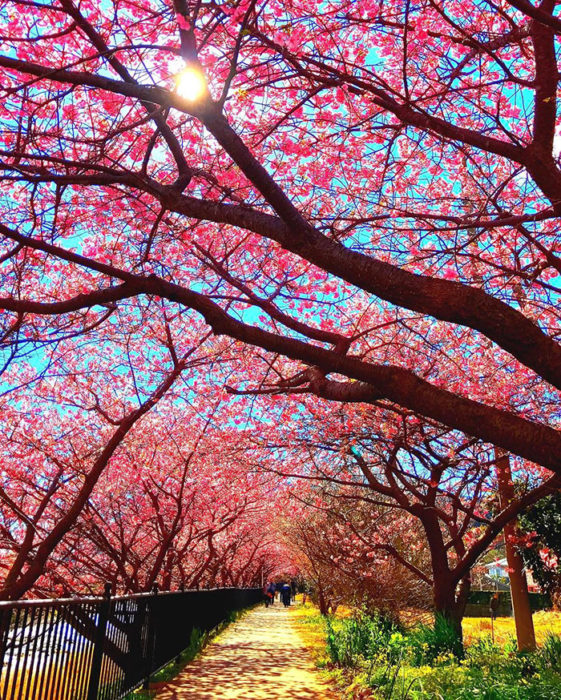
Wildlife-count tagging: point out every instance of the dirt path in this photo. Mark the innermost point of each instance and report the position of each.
(261, 656)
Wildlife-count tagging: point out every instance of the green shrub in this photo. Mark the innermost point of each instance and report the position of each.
(428, 643)
(361, 637)
(550, 653)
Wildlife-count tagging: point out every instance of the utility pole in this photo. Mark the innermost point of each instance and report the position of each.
(525, 634)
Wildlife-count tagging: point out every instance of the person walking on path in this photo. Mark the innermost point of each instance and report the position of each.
(269, 594)
(286, 592)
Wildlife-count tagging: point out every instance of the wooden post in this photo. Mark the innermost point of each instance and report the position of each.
(525, 634)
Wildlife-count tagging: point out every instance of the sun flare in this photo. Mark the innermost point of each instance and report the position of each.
(191, 83)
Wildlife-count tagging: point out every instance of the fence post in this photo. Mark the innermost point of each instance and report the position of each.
(97, 658)
(150, 636)
(5, 619)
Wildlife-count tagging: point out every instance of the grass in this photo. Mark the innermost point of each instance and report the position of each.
(545, 623)
(369, 660)
(310, 626)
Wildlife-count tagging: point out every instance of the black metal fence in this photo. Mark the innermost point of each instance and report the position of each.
(103, 648)
(478, 604)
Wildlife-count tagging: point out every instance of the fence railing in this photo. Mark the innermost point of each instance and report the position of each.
(103, 648)
(478, 604)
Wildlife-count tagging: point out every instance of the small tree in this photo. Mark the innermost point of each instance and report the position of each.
(337, 545)
(542, 525)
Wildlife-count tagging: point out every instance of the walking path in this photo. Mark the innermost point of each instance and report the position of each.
(260, 656)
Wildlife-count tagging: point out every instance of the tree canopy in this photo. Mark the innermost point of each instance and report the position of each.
(366, 189)
(258, 201)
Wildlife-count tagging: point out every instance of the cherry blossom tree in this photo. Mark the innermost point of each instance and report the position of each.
(176, 505)
(68, 423)
(118, 471)
(348, 202)
(369, 463)
(53, 461)
(344, 549)
(179, 509)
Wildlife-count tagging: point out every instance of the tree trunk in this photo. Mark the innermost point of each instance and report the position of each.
(322, 602)
(450, 611)
(525, 635)
(449, 608)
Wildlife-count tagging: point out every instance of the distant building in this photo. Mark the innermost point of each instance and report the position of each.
(498, 571)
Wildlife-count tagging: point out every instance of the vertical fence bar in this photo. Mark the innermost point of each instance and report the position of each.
(25, 647)
(85, 653)
(60, 663)
(95, 671)
(46, 635)
(54, 656)
(13, 664)
(150, 635)
(69, 675)
(37, 627)
(5, 617)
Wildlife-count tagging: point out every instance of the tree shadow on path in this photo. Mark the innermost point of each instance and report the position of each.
(260, 657)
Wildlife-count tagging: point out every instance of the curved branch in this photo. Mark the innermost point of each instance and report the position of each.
(536, 442)
(445, 300)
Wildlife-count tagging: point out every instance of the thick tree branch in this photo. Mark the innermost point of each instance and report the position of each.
(443, 299)
(533, 441)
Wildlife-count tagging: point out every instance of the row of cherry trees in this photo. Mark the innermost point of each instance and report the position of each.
(171, 513)
(112, 472)
(176, 510)
(390, 496)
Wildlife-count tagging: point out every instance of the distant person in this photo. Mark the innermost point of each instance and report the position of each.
(272, 589)
(286, 591)
(270, 594)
